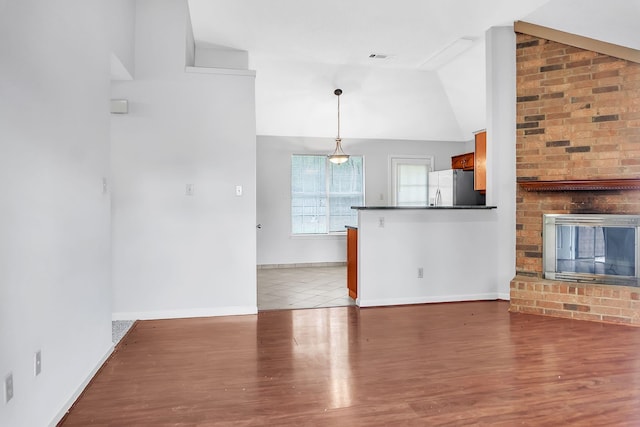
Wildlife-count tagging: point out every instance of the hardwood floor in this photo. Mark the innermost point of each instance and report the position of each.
(437, 364)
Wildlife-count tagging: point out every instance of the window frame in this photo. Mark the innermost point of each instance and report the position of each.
(328, 234)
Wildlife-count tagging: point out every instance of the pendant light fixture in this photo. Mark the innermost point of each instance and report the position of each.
(338, 155)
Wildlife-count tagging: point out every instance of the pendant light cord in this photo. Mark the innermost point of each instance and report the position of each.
(338, 92)
(338, 116)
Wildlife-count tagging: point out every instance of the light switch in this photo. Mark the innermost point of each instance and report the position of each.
(119, 106)
(238, 190)
(189, 190)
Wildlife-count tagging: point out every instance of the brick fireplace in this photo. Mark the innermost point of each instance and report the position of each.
(578, 120)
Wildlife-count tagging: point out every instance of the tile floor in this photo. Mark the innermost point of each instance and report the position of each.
(119, 328)
(304, 287)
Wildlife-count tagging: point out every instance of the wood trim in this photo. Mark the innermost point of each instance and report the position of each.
(352, 262)
(575, 40)
(480, 159)
(580, 185)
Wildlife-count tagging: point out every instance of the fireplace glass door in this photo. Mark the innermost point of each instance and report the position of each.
(594, 248)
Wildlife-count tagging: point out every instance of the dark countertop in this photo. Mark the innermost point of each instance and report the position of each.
(350, 227)
(470, 207)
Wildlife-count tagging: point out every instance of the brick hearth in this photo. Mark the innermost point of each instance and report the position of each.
(578, 118)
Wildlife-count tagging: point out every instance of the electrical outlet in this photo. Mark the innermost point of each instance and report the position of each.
(381, 222)
(37, 363)
(8, 387)
(420, 273)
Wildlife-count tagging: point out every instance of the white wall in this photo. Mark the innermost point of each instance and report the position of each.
(54, 219)
(275, 243)
(501, 148)
(455, 247)
(162, 32)
(207, 55)
(176, 255)
(464, 81)
(190, 43)
(122, 14)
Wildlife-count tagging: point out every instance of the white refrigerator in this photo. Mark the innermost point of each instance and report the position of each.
(453, 187)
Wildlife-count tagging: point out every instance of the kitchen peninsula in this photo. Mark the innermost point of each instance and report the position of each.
(421, 254)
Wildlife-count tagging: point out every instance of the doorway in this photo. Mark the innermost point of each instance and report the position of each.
(409, 180)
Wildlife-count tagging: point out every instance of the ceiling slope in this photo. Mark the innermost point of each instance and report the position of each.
(303, 50)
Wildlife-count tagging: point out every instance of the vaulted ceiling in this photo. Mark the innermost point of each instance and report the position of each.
(302, 50)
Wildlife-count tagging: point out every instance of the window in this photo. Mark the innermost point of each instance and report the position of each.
(409, 180)
(322, 194)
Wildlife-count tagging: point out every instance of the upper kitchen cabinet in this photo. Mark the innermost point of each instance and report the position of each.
(463, 161)
(480, 159)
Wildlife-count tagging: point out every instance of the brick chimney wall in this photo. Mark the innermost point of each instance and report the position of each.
(578, 117)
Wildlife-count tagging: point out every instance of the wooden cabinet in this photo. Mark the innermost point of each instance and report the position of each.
(352, 261)
(480, 167)
(463, 161)
(475, 162)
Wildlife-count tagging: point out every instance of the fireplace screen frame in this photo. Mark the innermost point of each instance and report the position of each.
(549, 258)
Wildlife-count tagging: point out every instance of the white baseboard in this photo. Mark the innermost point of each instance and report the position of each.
(426, 299)
(179, 314)
(81, 388)
(503, 296)
(303, 265)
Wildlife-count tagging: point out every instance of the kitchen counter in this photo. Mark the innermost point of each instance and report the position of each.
(422, 254)
(423, 207)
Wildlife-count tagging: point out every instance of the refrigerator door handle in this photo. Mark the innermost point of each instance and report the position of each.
(438, 198)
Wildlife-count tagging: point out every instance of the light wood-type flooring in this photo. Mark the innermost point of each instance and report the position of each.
(453, 364)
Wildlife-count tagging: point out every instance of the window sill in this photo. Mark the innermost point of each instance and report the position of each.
(331, 236)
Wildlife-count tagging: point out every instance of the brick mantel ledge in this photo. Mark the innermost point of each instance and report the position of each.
(577, 185)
